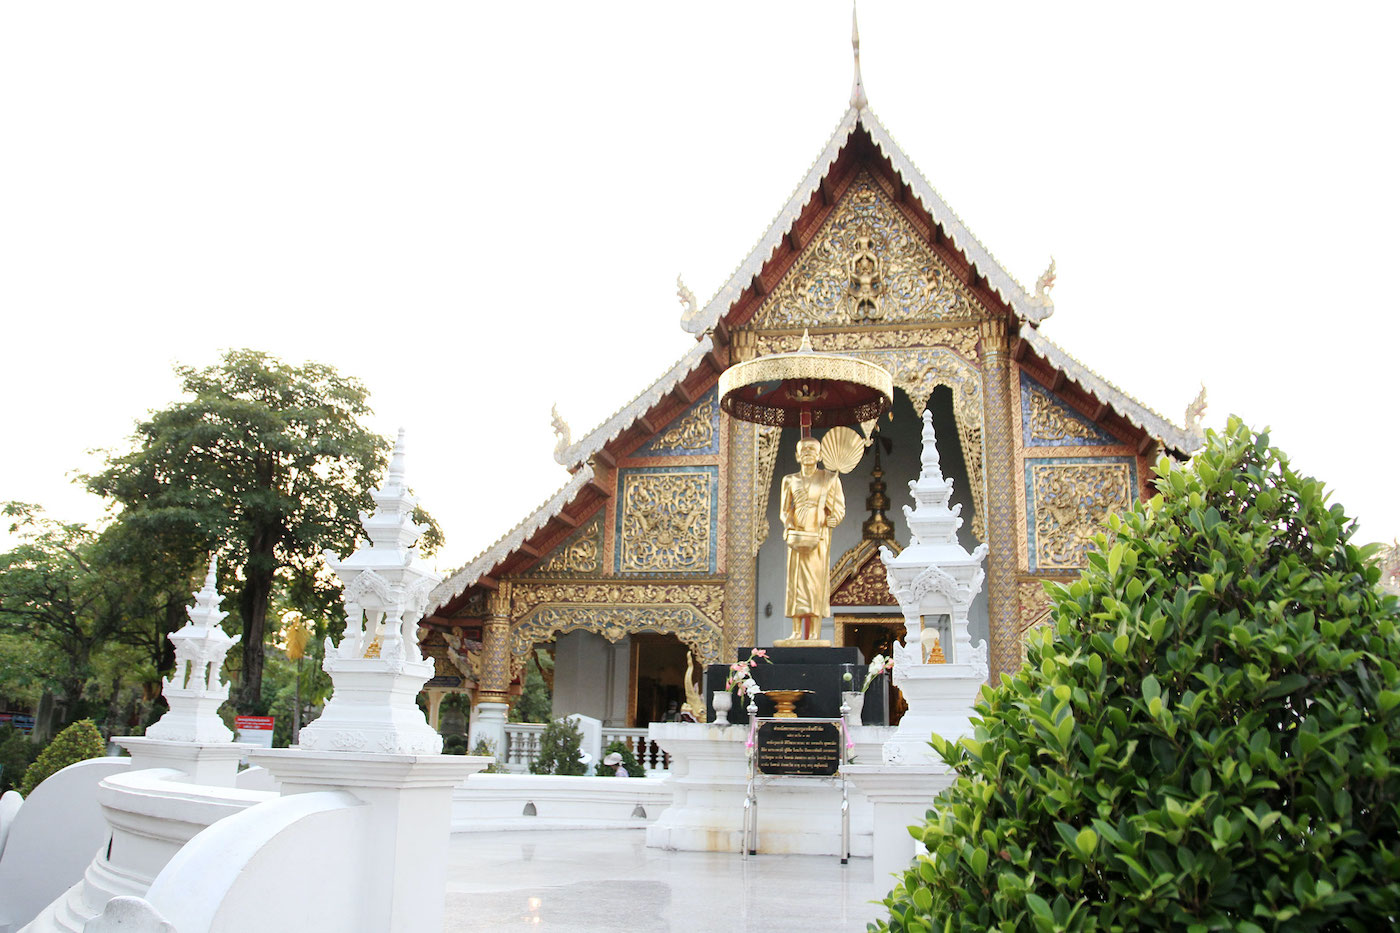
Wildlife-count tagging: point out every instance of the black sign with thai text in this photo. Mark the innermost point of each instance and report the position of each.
(798, 747)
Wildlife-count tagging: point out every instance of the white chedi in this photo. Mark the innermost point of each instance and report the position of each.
(935, 580)
(196, 689)
(377, 668)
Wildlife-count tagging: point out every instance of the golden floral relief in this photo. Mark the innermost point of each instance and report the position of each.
(578, 554)
(694, 431)
(1049, 422)
(1071, 503)
(666, 522)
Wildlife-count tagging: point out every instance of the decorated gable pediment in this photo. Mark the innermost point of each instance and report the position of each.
(859, 577)
(867, 265)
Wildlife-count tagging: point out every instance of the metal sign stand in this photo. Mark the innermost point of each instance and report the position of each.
(758, 779)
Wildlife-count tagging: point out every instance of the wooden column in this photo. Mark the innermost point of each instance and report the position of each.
(1004, 649)
(495, 650)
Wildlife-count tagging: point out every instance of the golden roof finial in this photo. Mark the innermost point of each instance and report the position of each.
(858, 99)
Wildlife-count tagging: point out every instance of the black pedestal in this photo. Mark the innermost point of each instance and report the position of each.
(815, 669)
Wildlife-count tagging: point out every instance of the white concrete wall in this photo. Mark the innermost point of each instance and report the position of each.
(52, 838)
(498, 801)
(592, 677)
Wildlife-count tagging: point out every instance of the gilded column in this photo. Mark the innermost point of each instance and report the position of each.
(493, 685)
(495, 649)
(740, 586)
(1002, 606)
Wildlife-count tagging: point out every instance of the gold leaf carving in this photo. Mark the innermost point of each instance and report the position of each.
(691, 612)
(666, 522)
(1035, 604)
(914, 284)
(694, 431)
(1050, 422)
(766, 461)
(1072, 501)
(962, 339)
(579, 553)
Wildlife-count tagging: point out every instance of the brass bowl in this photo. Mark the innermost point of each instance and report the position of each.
(786, 701)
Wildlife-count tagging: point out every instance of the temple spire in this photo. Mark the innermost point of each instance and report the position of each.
(858, 99)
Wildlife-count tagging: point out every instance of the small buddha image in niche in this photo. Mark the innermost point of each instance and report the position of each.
(864, 287)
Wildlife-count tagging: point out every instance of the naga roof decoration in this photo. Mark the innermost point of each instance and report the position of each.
(1026, 306)
(578, 453)
(459, 580)
(1181, 440)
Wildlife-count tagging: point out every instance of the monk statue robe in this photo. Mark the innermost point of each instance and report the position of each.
(812, 504)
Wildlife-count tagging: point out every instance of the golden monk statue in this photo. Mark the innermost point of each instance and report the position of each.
(812, 504)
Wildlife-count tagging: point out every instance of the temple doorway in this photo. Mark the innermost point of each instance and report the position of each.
(658, 678)
(874, 634)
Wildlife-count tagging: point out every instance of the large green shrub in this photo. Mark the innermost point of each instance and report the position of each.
(78, 742)
(560, 745)
(1207, 738)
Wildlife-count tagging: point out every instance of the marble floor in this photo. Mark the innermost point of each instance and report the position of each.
(585, 880)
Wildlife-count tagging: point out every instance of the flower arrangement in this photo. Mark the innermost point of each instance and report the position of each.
(878, 665)
(740, 676)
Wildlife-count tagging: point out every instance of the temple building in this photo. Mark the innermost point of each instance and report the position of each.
(658, 555)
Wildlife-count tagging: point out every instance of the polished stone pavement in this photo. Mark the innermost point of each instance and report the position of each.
(584, 880)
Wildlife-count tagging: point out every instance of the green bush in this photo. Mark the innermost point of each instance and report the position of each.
(455, 744)
(485, 748)
(629, 761)
(78, 742)
(1207, 737)
(16, 754)
(560, 745)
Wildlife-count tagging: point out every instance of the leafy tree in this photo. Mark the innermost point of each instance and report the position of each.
(264, 461)
(561, 743)
(1206, 738)
(16, 754)
(485, 748)
(57, 597)
(536, 701)
(78, 742)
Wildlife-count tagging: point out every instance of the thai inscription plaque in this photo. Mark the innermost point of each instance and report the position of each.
(798, 747)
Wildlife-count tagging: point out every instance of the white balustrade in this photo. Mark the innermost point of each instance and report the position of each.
(523, 747)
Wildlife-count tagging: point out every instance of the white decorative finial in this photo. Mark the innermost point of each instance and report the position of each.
(690, 307)
(1043, 286)
(396, 472)
(1196, 411)
(928, 458)
(196, 690)
(806, 345)
(858, 99)
(561, 433)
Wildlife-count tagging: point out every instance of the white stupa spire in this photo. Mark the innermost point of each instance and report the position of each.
(196, 689)
(377, 668)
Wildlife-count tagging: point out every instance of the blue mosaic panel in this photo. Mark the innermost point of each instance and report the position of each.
(1068, 501)
(667, 520)
(693, 432)
(1048, 422)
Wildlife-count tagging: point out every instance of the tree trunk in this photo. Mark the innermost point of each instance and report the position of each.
(257, 593)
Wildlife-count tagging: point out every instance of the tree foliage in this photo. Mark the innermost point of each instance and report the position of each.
(1206, 738)
(56, 595)
(78, 742)
(267, 463)
(560, 746)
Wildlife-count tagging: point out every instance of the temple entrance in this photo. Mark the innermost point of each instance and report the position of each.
(658, 678)
(874, 634)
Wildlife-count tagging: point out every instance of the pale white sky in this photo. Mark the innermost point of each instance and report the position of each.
(481, 210)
